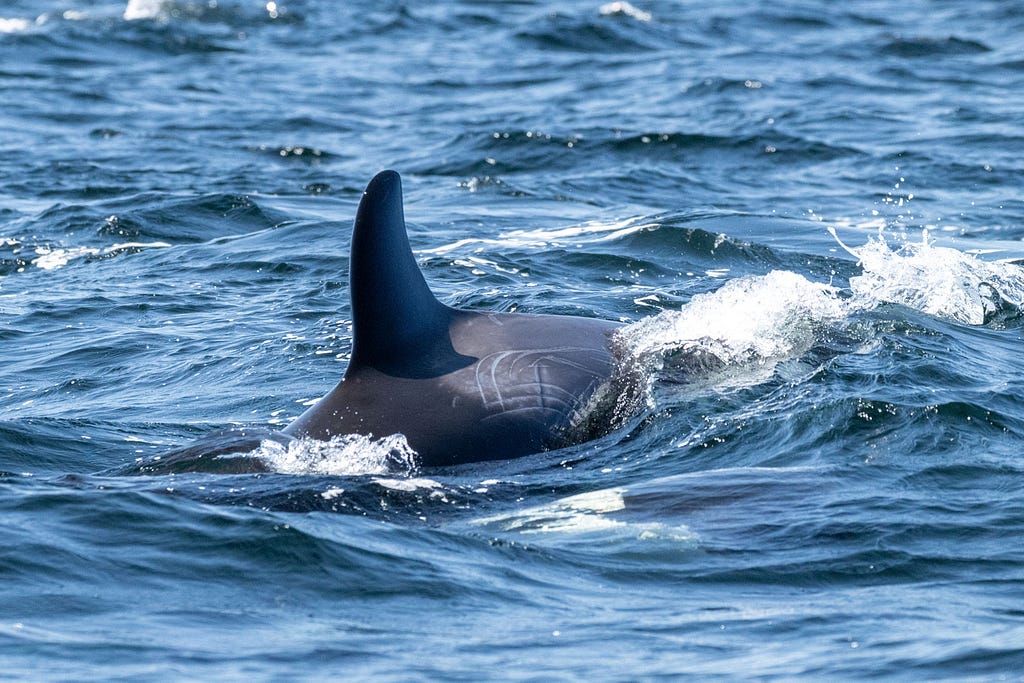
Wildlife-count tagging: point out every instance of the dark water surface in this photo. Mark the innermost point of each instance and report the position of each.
(826, 478)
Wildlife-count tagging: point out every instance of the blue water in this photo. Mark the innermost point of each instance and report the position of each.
(820, 470)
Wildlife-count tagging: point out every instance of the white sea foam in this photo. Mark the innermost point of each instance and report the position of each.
(52, 258)
(749, 319)
(409, 485)
(342, 455)
(625, 9)
(14, 25)
(584, 515)
(147, 9)
(936, 280)
(594, 231)
(580, 513)
(750, 323)
(741, 332)
(736, 334)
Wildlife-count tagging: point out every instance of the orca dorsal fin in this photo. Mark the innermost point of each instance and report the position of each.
(398, 325)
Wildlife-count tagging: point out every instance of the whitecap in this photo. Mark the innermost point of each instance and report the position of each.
(147, 9)
(52, 258)
(14, 25)
(627, 10)
(590, 232)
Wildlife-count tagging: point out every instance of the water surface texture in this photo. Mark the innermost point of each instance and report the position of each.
(809, 212)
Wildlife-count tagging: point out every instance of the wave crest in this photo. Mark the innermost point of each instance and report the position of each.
(940, 281)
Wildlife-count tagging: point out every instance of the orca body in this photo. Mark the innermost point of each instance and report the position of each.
(461, 386)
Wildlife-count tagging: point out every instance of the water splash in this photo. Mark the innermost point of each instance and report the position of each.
(739, 333)
(342, 455)
(734, 335)
(748, 320)
(939, 281)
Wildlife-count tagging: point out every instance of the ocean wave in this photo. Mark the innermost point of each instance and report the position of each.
(937, 280)
(614, 28)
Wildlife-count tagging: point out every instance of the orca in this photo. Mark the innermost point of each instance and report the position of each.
(461, 386)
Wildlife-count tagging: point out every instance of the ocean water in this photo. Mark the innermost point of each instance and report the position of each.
(809, 213)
